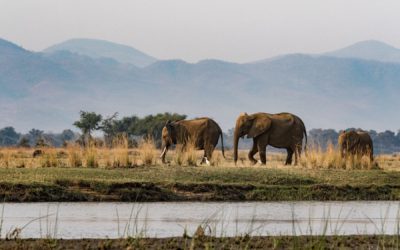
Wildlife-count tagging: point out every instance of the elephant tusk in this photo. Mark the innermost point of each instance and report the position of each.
(163, 152)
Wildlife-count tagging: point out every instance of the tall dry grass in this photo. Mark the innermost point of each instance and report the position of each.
(186, 156)
(74, 156)
(148, 152)
(120, 153)
(120, 156)
(316, 158)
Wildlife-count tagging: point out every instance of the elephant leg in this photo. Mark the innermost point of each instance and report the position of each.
(297, 153)
(203, 160)
(252, 152)
(371, 155)
(209, 151)
(262, 151)
(289, 156)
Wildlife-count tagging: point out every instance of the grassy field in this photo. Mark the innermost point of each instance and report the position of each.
(122, 174)
(245, 242)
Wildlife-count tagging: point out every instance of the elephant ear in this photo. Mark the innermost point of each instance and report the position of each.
(170, 127)
(260, 125)
(172, 130)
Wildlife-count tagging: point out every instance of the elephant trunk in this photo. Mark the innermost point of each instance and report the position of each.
(235, 145)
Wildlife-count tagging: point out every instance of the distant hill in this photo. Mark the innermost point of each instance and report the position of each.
(368, 50)
(20, 69)
(47, 90)
(100, 48)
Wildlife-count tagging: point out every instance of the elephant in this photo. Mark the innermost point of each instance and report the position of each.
(203, 132)
(283, 130)
(357, 143)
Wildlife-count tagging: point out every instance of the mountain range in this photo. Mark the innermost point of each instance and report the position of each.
(356, 86)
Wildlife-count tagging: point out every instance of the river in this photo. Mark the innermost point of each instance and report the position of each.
(165, 219)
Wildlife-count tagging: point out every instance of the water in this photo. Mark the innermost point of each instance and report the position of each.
(161, 219)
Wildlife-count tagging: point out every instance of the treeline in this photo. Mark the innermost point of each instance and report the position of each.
(35, 137)
(135, 128)
(131, 127)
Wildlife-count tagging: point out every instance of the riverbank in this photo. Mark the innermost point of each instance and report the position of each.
(174, 183)
(276, 242)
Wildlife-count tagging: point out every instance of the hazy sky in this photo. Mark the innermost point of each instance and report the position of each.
(238, 31)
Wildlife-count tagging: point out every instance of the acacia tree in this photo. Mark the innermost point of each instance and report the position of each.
(88, 122)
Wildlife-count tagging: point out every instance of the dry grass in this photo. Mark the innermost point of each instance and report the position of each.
(186, 156)
(148, 152)
(121, 156)
(316, 158)
(74, 156)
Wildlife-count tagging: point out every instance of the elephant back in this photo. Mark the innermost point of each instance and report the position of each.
(283, 119)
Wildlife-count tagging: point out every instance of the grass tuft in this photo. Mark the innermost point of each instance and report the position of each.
(148, 152)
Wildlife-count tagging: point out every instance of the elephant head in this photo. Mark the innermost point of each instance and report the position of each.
(168, 138)
(348, 141)
(250, 125)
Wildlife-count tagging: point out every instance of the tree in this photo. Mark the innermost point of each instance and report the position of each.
(67, 135)
(88, 122)
(151, 125)
(41, 142)
(133, 126)
(34, 135)
(8, 136)
(24, 142)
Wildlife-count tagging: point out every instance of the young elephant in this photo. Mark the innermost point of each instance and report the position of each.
(283, 130)
(357, 143)
(203, 132)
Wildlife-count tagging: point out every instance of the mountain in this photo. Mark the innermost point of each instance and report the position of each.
(368, 50)
(47, 90)
(100, 48)
(20, 69)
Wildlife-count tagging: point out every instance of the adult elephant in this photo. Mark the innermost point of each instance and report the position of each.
(203, 132)
(357, 143)
(283, 130)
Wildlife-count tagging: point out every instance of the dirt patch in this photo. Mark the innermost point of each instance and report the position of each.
(204, 242)
(65, 190)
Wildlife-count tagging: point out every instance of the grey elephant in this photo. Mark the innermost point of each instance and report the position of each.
(203, 132)
(283, 130)
(356, 143)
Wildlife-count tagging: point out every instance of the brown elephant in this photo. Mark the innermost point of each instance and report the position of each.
(357, 143)
(203, 132)
(283, 130)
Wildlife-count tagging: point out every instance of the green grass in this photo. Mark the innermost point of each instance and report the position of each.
(162, 183)
(210, 175)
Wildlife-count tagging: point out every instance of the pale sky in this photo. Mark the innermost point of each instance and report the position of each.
(238, 31)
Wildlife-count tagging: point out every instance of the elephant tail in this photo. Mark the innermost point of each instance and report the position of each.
(222, 144)
(305, 135)
(305, 145)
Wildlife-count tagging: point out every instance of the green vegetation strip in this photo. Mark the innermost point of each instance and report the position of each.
(161, 183)
(245, 242)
